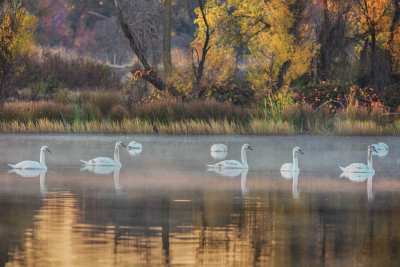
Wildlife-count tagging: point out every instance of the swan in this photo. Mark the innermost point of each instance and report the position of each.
(134, 145)
(218, 155)
(134, 151)
(293, 167)
(382, 149)
(361, 167)
(219, 148)
(105, 161)
(30, 164)
(234, 164)
(227, 172)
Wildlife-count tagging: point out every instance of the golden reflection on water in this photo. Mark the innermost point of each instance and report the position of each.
(264, 229)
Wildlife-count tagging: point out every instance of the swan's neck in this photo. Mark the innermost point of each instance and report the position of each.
(42, 158)
(369, 159)
(244, 157)
(295, 160)
(116, 154)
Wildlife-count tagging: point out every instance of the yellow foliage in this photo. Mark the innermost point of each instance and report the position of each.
(16, 33)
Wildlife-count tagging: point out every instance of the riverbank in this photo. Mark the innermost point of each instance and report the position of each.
(200, 127)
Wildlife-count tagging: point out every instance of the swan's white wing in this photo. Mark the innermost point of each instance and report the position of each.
(27, 164)
(228, 164)
(227, 172)
(219, 148)
(357, 177)
(99, 169)
(134, 151)
(218, 155)
(102, 161)
(357, 167)
(287, 167)
(134, 145)
(382, 149)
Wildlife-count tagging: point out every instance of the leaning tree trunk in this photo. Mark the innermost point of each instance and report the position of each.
(148, 74)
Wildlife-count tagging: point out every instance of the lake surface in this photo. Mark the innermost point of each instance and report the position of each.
(164, 207)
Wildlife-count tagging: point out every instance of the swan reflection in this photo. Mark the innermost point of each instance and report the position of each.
(360, 178)
(218, 155)
(294, 176)
(234, 173)
(104, 170)
(31, 173)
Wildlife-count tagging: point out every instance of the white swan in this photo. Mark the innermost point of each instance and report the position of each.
(218, 155)
(361, 167)
(293, 167)
(105, 161)
(234, 164)
(381, 148)
(30, 164)
(219, 148)
(134, 145)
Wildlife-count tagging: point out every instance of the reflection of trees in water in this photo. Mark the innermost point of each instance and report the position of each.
(17, 211)
(213, 228)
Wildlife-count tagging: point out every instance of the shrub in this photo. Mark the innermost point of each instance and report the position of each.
(105, 100)
(118, 113)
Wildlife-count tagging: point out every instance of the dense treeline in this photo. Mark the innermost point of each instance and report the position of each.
(330, 60)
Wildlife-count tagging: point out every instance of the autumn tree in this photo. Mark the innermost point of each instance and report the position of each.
(16, 41)
(372, 19)
(274, 36)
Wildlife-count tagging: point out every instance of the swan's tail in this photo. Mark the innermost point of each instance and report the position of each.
(343, 175)
(12, 166)
(343, 170)
(85, 163)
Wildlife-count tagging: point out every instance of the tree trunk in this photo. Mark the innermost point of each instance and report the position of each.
(167, 62)
(395, 20)
(373, 56)
(198, 72)
(281, 75)
(148, 74)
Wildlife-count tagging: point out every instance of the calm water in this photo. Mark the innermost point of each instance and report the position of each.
(163, 207)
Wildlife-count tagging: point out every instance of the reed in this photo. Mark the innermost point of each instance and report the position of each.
(356, 127)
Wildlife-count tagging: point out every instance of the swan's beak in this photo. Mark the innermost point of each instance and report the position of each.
(122, 144)
(301, 152)
(251, 148)
(373, 149)
(48, 150)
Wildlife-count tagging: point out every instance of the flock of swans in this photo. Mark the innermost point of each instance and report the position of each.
(357, 172)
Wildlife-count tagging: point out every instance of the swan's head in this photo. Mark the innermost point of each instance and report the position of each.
(372, 149)
(45, 148)
(247, 146)
(297, 149)
(120, 143)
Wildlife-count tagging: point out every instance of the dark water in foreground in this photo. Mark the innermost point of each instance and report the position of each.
(164, 208)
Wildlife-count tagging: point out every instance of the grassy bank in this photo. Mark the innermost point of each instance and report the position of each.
(105, 112)
(193, 127)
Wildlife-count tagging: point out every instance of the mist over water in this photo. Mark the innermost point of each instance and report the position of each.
(164, 207)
